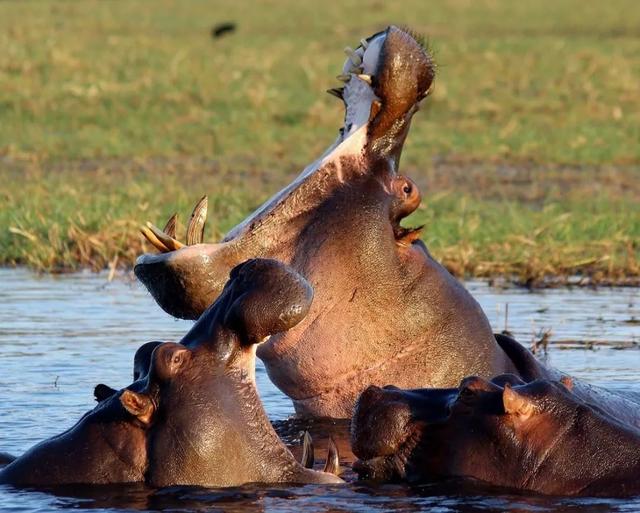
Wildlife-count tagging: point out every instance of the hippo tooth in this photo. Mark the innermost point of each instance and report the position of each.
(344, 77)
(364, 43)
(170, 227)
(169, 242)
(332, 466)
(307, 459)
(195, 228)
(366, 78)
(353, 56)
(337, 92)
(148, 234)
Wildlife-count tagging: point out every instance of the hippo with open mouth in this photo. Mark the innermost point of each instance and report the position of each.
(210, 428)
(538, 437)
(107, 445)
(384, 311)
(194, 417)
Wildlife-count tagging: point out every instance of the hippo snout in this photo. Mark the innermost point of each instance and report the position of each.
(381, 422)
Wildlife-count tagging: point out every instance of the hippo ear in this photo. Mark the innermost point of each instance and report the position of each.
(102, 392)
(517, 405)
(139, 405)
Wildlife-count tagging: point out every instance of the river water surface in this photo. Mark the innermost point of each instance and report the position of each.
(61, 335)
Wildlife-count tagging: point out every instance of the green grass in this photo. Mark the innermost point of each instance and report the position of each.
(562, 223)
(115, 113)
(552, 81)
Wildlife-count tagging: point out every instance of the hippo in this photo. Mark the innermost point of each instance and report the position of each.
(141, 364)
(539, 437)
(385, 311)
(107, 445)
(210, 428)
(193, 416)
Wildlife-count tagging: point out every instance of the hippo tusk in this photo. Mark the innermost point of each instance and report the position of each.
(195, 228)
(365, 78)
(307, 459)
(148, 234)
(364, 43)
(332, 466)
(345, 77)
(170, 227)
(353, 56)
(337, 92)
(169, 242)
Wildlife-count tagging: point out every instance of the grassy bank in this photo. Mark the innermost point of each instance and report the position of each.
(529, 222)
(112, 114)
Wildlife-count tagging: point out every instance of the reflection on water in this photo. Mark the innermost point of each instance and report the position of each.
(59, 336)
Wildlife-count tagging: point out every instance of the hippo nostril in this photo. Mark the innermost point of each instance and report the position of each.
(407, 189)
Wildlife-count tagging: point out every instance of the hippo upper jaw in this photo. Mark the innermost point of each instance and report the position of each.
(385, 78)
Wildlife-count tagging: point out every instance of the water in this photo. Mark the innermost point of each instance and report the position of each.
(61, 335)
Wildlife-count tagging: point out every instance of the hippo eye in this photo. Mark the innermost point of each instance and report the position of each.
(177, 359)
(466, 393)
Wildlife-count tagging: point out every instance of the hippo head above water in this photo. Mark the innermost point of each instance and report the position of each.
(193, 415)
(538, 437)
(209, 427)
(384, 310)
(107, 445)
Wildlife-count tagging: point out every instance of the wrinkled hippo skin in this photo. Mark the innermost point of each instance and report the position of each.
(210, 428)
(539, 437)
(384, 311)
(107, 445)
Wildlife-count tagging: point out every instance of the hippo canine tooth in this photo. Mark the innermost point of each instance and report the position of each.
(195, 228)
(170, 227)
(308, 458)
(332, 466)
(148, 234)
(345, 77)
(336, 91)
(365, 78)
(364, 43)
(169, 242)
(353, 56)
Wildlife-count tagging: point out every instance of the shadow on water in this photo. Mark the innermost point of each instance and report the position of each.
(352, 497)
(59, 336)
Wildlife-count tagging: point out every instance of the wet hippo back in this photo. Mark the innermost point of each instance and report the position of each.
(625, 407)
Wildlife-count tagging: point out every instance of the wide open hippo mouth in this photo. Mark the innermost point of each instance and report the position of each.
(385, 78)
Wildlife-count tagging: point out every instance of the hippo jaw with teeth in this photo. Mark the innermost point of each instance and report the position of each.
(385, 311)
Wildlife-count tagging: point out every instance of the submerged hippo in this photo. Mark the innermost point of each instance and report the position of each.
(384, 311)
(210, 427)
(107, 445)
(538, 437)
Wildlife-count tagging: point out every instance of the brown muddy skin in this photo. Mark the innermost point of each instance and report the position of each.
(384, 311)
(538, 437)
(107, 445)
(210, 428)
